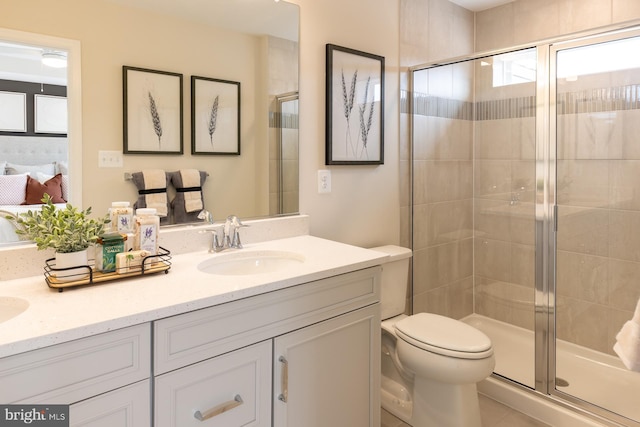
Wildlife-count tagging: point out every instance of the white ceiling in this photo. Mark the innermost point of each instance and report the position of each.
(479, 5)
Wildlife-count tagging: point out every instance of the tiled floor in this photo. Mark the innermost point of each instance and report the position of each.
(493, 414)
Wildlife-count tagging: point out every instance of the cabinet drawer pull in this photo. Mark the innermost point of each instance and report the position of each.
(226, 406)
(284, 380)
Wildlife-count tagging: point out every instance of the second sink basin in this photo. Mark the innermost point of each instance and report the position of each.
(10, 307)
(250, 262)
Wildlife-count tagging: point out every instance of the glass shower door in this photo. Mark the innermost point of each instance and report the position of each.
(597, 282)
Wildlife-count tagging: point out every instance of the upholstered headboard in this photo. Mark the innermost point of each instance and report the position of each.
(33, 150)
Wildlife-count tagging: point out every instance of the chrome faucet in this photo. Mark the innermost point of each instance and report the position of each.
(206, 215)
(215, 246)
(230, 236)
(231, 233)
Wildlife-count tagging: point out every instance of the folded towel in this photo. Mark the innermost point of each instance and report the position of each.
(152, 191)
(155, 179)
(188, 201)
(193, 198)
(627, 345)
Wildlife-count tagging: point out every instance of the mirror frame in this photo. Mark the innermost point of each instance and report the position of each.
(74, 99)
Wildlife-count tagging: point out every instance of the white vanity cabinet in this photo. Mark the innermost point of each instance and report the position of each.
(105, 378)
(307, 356)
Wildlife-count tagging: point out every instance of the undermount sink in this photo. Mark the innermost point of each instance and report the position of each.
(10, 307)
(250, 262)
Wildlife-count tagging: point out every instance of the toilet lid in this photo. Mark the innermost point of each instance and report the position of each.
(443, 335)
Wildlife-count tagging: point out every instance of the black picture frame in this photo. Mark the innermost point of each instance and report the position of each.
(152, 111)
(354, 89)
(215, 116)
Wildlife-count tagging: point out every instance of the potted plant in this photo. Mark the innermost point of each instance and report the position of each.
(68, 231)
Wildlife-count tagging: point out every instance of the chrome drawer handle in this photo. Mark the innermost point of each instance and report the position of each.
(284, 380)
(227, 406)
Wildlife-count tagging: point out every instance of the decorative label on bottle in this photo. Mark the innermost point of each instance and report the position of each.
(149, 238)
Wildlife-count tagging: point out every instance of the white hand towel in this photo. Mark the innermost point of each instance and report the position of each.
(627, 345)
(192, 199)
(155, 179)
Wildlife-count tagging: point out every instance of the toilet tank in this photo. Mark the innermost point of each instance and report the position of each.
(395, 280)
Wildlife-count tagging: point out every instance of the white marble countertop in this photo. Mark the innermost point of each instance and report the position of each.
(54, 317)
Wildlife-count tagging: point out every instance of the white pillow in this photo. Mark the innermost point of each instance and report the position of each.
(14, 169)
(13, 189)
(43, 177)
(62, 167)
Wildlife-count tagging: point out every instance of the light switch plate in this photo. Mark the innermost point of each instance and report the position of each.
(109, 159)
(324, 181)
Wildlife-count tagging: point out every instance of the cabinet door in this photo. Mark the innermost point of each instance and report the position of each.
(328, 374)
(232, 390)
(126, 407)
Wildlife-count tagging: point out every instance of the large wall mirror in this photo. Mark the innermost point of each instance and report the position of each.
(253, 42)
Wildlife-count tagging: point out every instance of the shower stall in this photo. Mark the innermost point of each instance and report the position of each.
(526, 210)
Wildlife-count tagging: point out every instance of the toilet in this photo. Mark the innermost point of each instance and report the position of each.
(430, 363)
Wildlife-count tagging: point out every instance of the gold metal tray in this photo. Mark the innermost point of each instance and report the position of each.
(61, 278)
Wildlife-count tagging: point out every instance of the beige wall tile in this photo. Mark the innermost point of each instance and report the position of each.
(584, 230)
(624, 290)
(535, 20)
(583, 183)
(444, 264)
(493, 179)
(495, 28)
(583, 323)
(625, 184)
(491, 219)
(624, 241)
(493, 139)
(449, 180)
(583, 277)
(580, 15)
(449, 221)
(461, 298)
(492, 259)
(624, 10)
(523, 265)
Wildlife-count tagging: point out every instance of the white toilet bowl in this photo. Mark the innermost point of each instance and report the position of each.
(430, 363)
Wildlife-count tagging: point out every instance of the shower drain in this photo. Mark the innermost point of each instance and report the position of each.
(561, 382)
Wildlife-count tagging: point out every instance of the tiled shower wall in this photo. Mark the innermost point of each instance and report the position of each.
(437, 29)
(474, 186)
(598, 266)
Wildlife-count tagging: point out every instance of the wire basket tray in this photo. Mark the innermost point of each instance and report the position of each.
(61, 278)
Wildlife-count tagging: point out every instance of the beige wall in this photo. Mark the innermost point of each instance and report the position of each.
(363, 207)
(112, 36)
(524, 21)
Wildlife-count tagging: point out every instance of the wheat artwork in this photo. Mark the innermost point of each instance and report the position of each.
(365, 124)
(155, 118)
(347, 101)
(213, 118)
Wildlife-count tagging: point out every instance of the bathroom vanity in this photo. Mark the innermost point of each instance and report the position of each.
(297, 346)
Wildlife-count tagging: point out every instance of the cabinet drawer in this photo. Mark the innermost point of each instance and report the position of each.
(76, 370)
(231, 390)
(196, 336)
(129, 406)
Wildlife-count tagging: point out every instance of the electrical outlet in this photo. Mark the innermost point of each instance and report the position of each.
(109, 159)
(324, 181)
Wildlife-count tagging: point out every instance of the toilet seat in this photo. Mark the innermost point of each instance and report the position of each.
(445, 336)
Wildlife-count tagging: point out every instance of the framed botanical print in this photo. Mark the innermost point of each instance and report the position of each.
(215, 116)
(152, 111)
(354, 107)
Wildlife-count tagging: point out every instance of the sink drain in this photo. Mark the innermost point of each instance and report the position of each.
(561, 382)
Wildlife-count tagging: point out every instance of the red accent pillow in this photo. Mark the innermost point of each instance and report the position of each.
(36, 190)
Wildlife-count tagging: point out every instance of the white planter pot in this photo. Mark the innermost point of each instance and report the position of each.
(72, 259)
